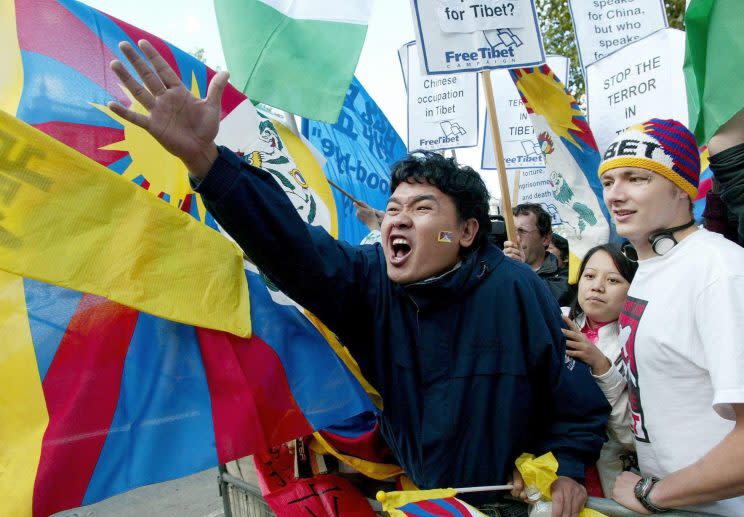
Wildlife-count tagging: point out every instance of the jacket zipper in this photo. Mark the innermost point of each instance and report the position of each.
(418, 337)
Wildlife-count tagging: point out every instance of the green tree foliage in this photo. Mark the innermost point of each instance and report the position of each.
(199, 53)
(558, 33)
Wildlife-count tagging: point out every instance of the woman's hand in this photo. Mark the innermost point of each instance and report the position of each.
(579, 347)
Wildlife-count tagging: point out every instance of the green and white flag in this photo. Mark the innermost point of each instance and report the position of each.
(714, 64)
(296, 55)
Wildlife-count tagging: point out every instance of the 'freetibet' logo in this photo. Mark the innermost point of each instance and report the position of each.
(502, 47)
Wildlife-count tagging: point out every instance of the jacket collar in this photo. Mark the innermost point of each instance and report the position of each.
(452, 285)
(549, 265)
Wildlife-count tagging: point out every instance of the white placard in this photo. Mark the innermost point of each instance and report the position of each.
(518, 139)
(523, 151)
(442, 109)
(604, 26)
(641, 81)
(480, 15)
(443, 52)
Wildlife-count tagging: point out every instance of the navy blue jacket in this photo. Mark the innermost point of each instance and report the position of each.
(471, 366)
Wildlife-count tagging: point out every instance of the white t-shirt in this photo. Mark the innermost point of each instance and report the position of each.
(682, 331)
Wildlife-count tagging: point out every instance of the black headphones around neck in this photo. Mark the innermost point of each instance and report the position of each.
(662, 241)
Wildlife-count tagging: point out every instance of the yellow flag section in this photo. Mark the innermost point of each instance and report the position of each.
(22, 426)
(66, 220)
(11, 80)
(540, 473)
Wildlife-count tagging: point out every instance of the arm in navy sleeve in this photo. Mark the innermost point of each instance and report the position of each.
(576, 422)
(320, 273)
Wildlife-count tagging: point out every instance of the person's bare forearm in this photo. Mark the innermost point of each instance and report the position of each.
(199, 164)
(717, 475)
(728, 135)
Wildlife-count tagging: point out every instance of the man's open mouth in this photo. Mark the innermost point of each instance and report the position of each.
(400, 250)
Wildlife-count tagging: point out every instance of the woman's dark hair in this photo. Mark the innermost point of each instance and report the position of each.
(625, 266)
(461, 183)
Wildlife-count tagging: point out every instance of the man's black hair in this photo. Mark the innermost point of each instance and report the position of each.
(461, 183)
(561, 245)
(542, 217)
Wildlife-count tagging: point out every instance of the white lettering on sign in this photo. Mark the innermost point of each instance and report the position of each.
(640, 82)
(442, 110)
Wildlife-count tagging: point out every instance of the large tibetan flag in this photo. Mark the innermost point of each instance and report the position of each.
(98, 398)
(571, 159)
(139, 265)
(714, 52)
(296, 55)
(439, 502)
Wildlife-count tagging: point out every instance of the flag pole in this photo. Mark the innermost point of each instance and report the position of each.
(515, 192)
(496, 136)
(332, 184)
(492, 488)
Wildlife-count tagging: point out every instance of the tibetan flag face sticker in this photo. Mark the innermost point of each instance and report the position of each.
(445, 237)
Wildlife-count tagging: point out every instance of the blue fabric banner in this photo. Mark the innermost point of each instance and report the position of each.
(360, 148)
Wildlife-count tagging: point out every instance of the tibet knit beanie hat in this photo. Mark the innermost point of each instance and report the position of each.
(665, 147)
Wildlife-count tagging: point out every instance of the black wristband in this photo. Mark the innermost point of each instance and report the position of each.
(642, 491)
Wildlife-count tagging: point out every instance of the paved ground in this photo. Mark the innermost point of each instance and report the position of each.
(192, 496)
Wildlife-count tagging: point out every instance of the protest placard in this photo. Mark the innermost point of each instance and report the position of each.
(442, 109)
(527, 176)
(604, 26)
(638, 82)
(473, 35)
(521, 145)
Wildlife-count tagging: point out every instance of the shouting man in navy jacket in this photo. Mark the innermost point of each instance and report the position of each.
(464, 345)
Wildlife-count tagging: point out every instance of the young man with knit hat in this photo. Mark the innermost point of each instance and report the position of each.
(682, 329)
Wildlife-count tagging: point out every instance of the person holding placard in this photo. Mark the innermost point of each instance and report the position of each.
(464, 346)
(534, 234)
(682, 329)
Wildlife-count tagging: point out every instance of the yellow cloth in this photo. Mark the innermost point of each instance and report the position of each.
(541, 472)
(23, 411)
(66, 220)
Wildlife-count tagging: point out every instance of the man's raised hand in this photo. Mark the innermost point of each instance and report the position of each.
(184, 125)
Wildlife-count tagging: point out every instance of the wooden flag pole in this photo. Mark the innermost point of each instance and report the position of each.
(506, 204)
(332, 184)
(515, 191)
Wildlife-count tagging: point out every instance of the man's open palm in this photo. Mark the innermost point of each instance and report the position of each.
(184, 125)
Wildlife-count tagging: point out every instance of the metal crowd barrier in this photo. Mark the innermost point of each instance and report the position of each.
(241, 499)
